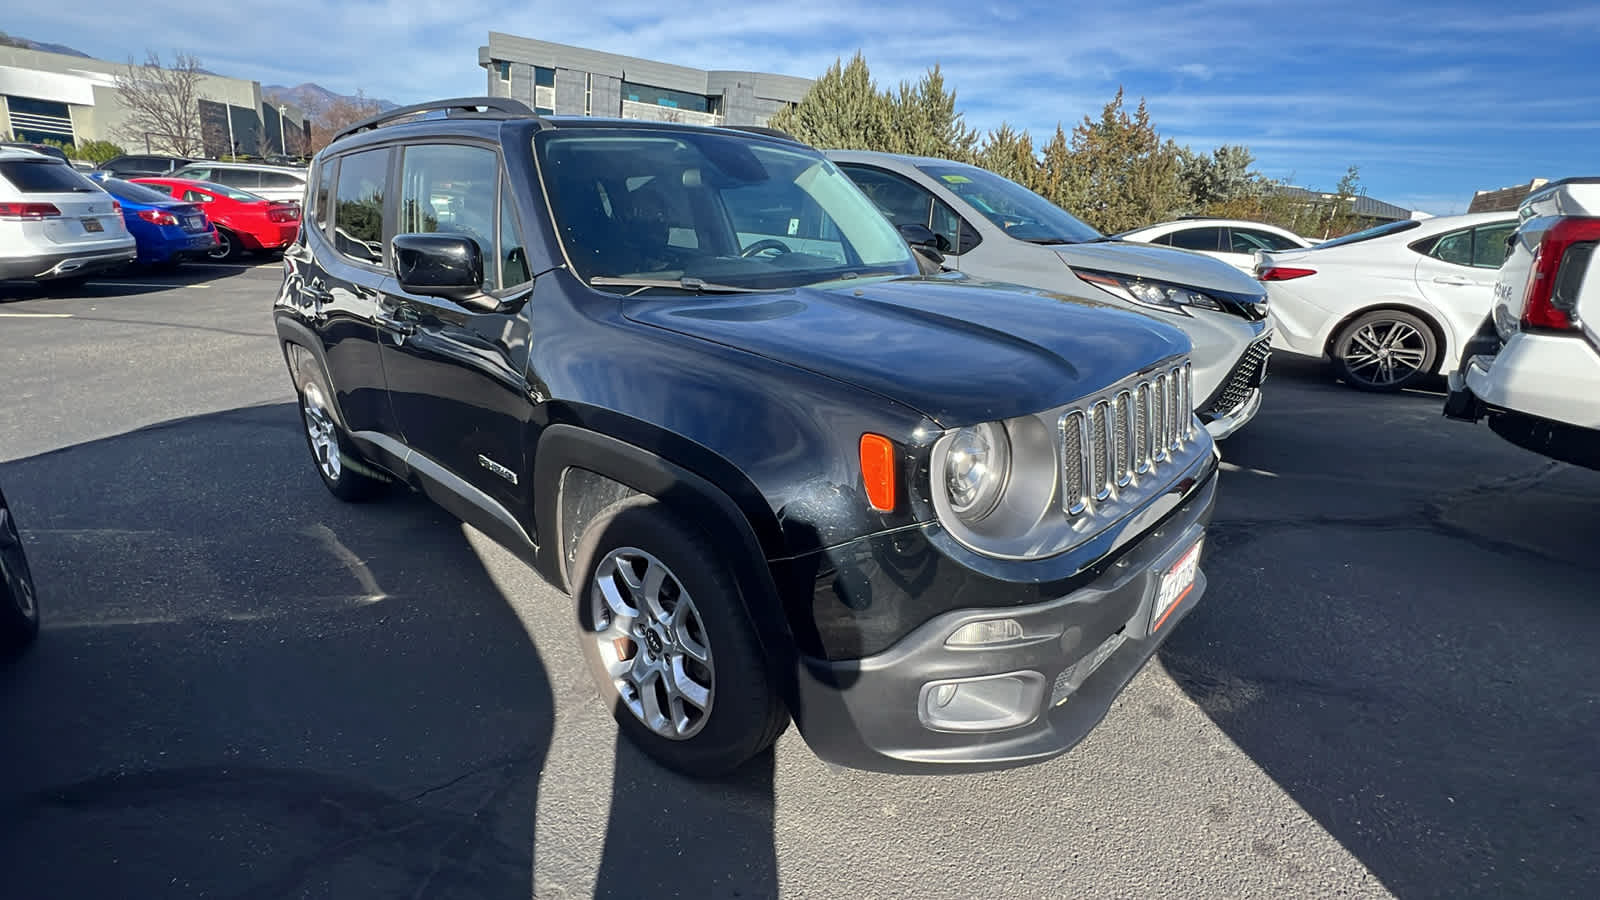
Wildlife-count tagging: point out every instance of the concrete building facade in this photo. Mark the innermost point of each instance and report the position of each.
(557, 79)
(72, 99)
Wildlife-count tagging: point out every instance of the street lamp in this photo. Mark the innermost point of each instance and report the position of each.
(283, 147)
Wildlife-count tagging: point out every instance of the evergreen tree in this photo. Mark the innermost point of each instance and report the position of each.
(1009, 153)
(843, 111)
(1123, 175)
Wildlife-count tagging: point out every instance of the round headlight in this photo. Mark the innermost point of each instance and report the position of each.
(975, 470)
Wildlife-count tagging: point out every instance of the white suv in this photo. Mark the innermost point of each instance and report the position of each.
(265, 180)
(1534, 367)
(55, 223)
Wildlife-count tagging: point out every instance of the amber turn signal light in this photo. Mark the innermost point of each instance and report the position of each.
(877, 471)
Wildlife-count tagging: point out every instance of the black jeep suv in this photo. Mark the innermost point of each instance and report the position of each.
(692, 375)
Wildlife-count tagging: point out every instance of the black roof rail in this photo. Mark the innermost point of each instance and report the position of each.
(762, 129)
(456, 106)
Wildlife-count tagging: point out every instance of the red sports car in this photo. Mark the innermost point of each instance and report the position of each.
(244, 221)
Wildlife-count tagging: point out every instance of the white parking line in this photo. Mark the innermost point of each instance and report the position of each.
(10, 315)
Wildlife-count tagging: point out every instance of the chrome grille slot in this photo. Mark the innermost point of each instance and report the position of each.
(1099, 467)
(1141, 428)
(1172, 409)
(1158, 419)
(1188, 402)
(1123, 431)
(1074, 462)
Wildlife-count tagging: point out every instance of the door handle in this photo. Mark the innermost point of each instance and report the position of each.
(1456, 280)
(317, 293)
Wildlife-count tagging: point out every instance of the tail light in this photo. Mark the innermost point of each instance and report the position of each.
(1283, 273)
(158, 217)
(290, 213)
(18, 212)
(1551, 295)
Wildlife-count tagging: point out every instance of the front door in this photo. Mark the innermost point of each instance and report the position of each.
(456, 376)
(1457, 274)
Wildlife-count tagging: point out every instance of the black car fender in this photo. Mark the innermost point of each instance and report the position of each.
(582, 470)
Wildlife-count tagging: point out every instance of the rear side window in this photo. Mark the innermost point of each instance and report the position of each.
(1249, 240)
(1455, 247)
(322, 202)
(1490, 244)
(239, 178)
(358, 225)
(280, 180)
(135, 193)
(50, 177)
(1198, 239)
(194, 173)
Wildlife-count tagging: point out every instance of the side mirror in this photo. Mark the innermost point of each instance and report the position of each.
(439, 265)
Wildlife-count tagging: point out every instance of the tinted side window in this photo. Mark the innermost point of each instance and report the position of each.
(513, 258)
(280, 180)
(1249, 240)
(450, 188)
(1489, 247)
(197, 197)
(358, 221)
(322, 202)
(194, 173)
(903, 202)
(239, 178)
(1198, 239)
(1455, 247)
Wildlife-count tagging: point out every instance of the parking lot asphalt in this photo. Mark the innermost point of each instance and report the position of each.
(244, 688)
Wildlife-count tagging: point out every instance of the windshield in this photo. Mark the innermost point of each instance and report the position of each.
(1370, 233)
(133, 193)
(1023, 214)
(732, 211)
(231, 193)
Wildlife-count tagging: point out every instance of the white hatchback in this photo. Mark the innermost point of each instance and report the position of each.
(1234, 241)
(55, 223)
(1390, 305)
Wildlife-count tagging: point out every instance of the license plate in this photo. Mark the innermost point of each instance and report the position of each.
(92, 225)
(194, 224)
(1176, 585)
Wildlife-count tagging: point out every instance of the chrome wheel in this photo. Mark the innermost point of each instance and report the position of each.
(321, 430)
(652, 643)
(224, 247)
(1385, 352)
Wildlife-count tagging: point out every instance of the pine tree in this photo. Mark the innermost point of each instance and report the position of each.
(1009, 153)
(843, 111)
(1123, 175)
(924, 121)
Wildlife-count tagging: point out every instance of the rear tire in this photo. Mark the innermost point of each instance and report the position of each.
(343, 471)
(1385, 350)
(669, 644)
(19, 604)
(227, 247)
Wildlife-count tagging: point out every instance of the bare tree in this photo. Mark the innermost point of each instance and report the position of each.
(340, 113)
(163, 104)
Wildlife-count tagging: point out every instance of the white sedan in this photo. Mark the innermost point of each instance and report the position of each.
(1234, 241)
(1392, 304)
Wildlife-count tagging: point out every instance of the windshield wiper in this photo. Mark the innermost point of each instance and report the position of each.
(686, 283)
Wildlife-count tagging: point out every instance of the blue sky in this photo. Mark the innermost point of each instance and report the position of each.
(1432, 101)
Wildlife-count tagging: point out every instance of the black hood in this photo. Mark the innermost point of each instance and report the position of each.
(958, 352)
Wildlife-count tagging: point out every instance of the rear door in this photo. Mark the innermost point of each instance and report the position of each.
(457, 377)
(1456, 273)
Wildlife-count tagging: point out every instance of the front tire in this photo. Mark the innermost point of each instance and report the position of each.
(669, 644)
(19, 604)
(1385, 351)
(342, 470)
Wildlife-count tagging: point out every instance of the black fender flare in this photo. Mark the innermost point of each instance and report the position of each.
(293, 333)
(749, 538)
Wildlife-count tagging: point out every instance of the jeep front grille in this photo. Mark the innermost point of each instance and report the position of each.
(1109, 443)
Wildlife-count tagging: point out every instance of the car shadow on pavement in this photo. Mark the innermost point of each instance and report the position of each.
(1410, 662)
(126, 281)
(246, 688)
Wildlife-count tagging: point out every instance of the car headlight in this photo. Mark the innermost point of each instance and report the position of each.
(1145, 292)
(977, 463)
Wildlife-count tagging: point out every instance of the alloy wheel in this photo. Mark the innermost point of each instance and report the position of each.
(653, 643)
(224, 247)
(1384, 352)
(320, 429)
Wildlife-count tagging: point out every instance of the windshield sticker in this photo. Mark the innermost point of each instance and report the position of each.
(956, 179)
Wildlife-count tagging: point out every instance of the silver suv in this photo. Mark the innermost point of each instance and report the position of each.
(55, 223)
(994, 229)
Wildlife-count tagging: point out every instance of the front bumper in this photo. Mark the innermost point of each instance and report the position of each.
(1078, 651)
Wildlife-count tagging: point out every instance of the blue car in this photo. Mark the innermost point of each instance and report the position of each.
(167, 231)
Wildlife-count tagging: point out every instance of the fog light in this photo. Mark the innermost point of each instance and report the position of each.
(987, 703)
(986, 632)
